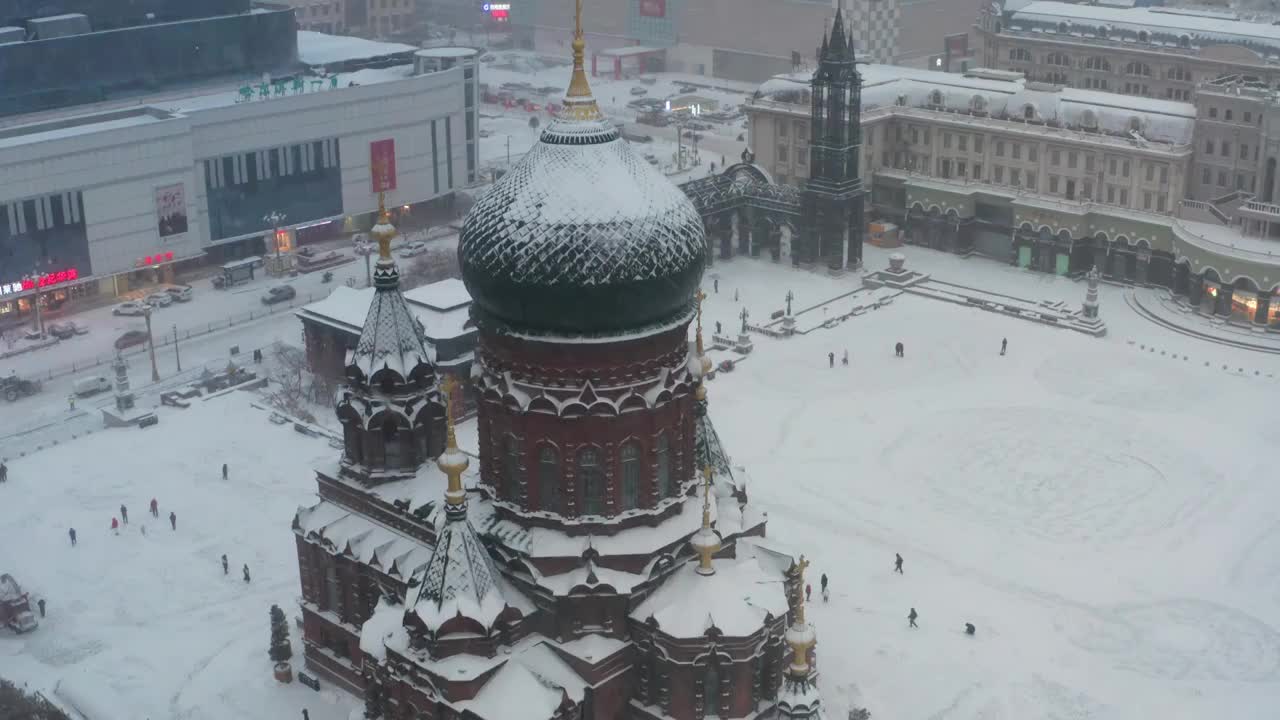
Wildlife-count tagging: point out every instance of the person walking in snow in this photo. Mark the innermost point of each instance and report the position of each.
(124, 513)
(1004, 345)
(716, 283)
(844, 360)
(831, 359)
(735, 295)
(224, 471)
(897, 564)
(969, 629)
(246, 572)
(224, 563)
(911, 618)
(899, 350)
(823, 580)
(71, 400)
(155, 508)
(115, 526)
(807, 589)
(40, 604)
(71, 532)
(305, 715)
(173, 521)
(4, 473)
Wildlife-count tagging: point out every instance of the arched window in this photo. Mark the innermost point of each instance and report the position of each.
(662, 462)
(549, 479)
(711, 691)
(1144, 36)
(935, 98)
(1020, 55)
(1063, 28)
(393, 457)
(1096, 62)
(630, 457)
(511, 468)
(590, 482)
(1184, 41)
(1029, 112)
(351, 441)
(1137, 68)
(1089, 120)
(1103, 31)
(1135, 124)
(978, 104)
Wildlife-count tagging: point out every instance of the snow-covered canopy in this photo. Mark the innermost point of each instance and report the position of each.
(892, 86)
(736, 600)
(316, 48)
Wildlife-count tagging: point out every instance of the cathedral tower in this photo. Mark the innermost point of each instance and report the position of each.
(833, 196)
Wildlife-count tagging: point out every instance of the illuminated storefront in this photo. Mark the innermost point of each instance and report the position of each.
(1244, 305)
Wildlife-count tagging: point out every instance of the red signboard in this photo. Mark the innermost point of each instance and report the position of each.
(382, 165)
(46, 280)
(653, 8)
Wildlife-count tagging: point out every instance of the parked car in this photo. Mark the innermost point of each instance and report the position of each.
(132, 307)
(62, 331)
(181, 294)
(159, 299)
(15, 387)
(278, 294)
(91, 385)
(131, 338)
(639, 91)
(413, 249)
(15, 606)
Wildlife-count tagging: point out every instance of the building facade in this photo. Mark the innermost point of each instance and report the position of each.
(604, 507)
(1059, 180)
(108, 198)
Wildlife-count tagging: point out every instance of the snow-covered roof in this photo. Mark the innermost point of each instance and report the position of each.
(346, 309)
(737, 599)
(443, 295)
(1199, 27)
(315, 48)
(368, 541)
(459, 579)
(892, 86)
(384, 628)
(391, 338)
(516, 691)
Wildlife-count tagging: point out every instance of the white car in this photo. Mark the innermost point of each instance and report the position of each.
(181, 294)
(132, 307)
(413, 248)
(160, 299)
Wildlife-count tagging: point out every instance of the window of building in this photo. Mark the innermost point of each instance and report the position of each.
(1248, 116)
(1033, 153)
(1222, 178)
(802, 132)
(711, 691)
(1111, 194)
(1053, 184)
(944, 168)
(1124, 197)
(1111, 166)
(960, 169)
(1055, 157)
(999, 148)
(977, 104)
(1124, 169)
(1059, 59)
(1088, 163)
(1097, 62)
(1239, 181)
(1177, 94)
(1244, 151)
(977, 143)
(962, 141)
(1014, 176)
(1096, 83)
(782, 153)
(1138, 68)
(1017, 151)
(1213, 112)
(1161, 202)
(1019, 55)
(1146, 200)
(998, 175)
(332, 591)
(590, 482)
(977, 171)
(549, 479)
(1177, 72)
(1227, 114)
(1225, 149)
(915, 136)
(926, 136)
(1086, 190)
(1028, 112)
(935, 98)
(1151, 172)
(1031, 180)
(511, 465)
(946, 140)
(630, 460)
(1164, 174)
(1205, 176)
(1071, 159)
(662, 459)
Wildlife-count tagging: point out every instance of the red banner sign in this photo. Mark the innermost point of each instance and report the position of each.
(382, 165)
(653, 8)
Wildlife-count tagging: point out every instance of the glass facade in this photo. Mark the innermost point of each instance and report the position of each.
(652, 23)
(44, 234)
(303, 181)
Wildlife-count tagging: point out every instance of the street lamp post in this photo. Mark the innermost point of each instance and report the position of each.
(176, 355)
(151, 347)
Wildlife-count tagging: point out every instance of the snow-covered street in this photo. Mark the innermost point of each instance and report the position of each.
(1102, 513)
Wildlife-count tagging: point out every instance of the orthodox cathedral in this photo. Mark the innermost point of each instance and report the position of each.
(599, 558)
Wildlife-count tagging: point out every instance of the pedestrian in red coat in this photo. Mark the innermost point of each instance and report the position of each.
(807, 589)
(115, 526)
(155, 508)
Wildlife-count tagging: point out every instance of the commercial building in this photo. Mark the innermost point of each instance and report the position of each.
(105, 197)
(1060, 179)
(722, 38)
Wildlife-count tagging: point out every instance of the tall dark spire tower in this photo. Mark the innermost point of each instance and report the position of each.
(832, 198)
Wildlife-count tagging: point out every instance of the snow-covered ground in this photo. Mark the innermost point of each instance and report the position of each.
(1102, 513)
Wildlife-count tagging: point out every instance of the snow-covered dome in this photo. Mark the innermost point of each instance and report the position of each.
(582, 236)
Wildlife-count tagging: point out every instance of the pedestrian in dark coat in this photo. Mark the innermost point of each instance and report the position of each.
(40, 604)
(72, 533)
(224, 471)
(246, 573)
(845, 359)
(224, 563)
(718, 331)
(807, 589)
(124, 514)
(4, 473)
(716, 281)
(899, 350)
(305, 715)
(831, 359)
(155, 508)
(173, 521)
(824, 581)
(897, 564)
(911, 618)
(1004, 345)
(969, 629)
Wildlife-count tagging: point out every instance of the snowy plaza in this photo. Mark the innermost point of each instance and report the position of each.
(1102, 512)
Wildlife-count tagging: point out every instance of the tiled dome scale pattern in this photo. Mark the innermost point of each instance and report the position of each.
(583, 236)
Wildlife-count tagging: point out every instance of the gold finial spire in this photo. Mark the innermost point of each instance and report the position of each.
(383, 231)
(705, 541)
(700, 297)
(800, 635)
(452, 461)
(704, 362)
(579, 104)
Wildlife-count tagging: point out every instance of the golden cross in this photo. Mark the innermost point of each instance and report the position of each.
(577, 20)
(447, 384)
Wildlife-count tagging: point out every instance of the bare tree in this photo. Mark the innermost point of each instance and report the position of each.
(292, 385)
